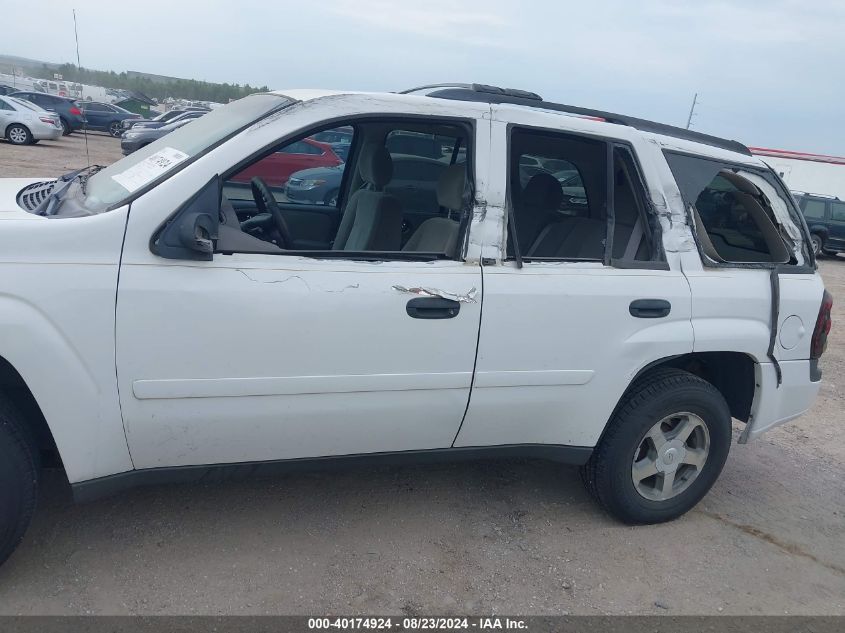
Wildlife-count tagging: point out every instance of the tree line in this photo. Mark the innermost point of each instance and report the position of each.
(157, 88)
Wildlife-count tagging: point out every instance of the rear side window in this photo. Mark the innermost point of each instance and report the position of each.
(562, 188)
(814, 209)
(735, 211)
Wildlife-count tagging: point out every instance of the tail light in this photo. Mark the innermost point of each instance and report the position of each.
(818, 344)
(75, 111)
(45, 119)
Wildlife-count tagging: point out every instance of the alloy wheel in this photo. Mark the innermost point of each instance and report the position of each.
(17, 135)
(670, 456)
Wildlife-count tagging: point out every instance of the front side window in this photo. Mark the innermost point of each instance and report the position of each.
(397, 190)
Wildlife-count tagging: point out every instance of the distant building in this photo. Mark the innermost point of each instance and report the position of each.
(811, 173)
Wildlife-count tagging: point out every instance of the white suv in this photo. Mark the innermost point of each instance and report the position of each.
(174, 315)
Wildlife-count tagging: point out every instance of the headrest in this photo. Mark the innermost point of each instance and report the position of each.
(375, 165)
(450, 187)
(543, 190)
(742, 184)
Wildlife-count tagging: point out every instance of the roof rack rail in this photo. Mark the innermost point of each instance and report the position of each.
(815, 195)
(493, 94)
(433, 86)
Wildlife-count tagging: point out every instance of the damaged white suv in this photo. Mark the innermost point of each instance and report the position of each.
(487, 274)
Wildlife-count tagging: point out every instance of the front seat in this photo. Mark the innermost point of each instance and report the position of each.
(440, 235)
(372, 219)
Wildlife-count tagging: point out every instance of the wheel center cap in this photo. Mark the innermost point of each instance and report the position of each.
(670, 456)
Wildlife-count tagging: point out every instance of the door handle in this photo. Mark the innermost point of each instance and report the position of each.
(650, 308)
(432, 308)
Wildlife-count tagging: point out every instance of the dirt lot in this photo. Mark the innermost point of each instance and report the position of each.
(506, 537)
(52, 158)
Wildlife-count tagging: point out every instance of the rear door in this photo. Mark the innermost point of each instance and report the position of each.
(836, 237)
(97, 115)
(593, 303)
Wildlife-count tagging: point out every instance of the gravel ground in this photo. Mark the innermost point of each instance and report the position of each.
(503, 537)
(53, 158)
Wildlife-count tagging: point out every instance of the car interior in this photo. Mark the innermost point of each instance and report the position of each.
(404, 189)
(559, 205)
(738, 222)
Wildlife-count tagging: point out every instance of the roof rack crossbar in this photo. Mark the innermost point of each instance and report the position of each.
(491, 94)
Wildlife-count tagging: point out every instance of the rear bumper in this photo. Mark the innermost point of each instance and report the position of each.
(46, 132)
(775, 404)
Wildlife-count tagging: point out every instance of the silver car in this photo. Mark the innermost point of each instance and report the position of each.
(24, 123)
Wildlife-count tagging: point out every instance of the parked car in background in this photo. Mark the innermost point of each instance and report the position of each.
(106, 117)
(187, 115)
(825, 217)
(7, 90)
(340, 140)
(136, 138)
(69, 111)
(276, 168)
(163, 118)
(318, 185)
(24, 123)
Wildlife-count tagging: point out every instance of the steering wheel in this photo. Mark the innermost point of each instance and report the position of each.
(266, 203)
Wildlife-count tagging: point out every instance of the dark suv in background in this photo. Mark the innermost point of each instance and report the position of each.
(825, 217)
(70, 114)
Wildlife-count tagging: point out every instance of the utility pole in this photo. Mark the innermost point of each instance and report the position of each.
(692, 110)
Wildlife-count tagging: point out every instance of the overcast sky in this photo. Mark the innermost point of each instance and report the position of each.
(768, 72)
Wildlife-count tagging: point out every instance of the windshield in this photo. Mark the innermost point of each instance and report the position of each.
(104, 191)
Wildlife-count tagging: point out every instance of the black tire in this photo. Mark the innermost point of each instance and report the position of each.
(19, 471)
(817, 243)
(19, 134)
(66, 129)
(331, 198)
(116, 129)
(663, 392)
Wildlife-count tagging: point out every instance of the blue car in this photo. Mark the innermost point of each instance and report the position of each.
(106, 117)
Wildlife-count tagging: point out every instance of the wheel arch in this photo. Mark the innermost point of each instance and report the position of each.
(15, 388)
(731, 373)
(818, 229)
(23, 125)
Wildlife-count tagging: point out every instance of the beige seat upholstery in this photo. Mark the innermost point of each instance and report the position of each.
(372, 219)
(571, 238)
(440, 235)
(537, 206)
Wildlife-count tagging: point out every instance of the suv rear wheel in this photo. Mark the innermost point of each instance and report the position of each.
(663, 449)
(18, 479)
(817, 243)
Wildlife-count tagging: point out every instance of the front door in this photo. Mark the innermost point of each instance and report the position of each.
(257, 356)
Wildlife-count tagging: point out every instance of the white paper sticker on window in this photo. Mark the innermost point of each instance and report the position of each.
(149, 169)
